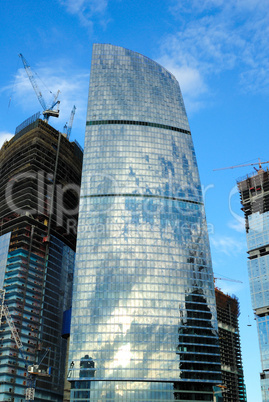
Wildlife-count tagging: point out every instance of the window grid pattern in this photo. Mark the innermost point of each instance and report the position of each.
(143, 296)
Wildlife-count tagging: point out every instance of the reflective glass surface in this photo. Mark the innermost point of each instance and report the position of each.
(263, 330)
(57, 298)
(258, 233)
(4, 245)
(57, 295)
(143, 297)
(265, 389)
(258, 269)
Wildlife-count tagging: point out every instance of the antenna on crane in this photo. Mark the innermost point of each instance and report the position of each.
(260, 170)
(47, 111)
(68, 128)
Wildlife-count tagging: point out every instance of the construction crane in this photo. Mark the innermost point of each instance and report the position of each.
(47, 111)
(68, 128)
(33, 370)
(246, 164)
(227, 279)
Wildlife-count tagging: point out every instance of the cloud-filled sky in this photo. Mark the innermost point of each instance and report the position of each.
(219, 52)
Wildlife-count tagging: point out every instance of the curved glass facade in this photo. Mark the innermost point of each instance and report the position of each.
(144, 317)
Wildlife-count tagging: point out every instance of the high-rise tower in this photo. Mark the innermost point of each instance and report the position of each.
(254, 193)
(37, 250)
(144, 323)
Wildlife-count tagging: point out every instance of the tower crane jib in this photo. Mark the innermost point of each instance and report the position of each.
(47, 111)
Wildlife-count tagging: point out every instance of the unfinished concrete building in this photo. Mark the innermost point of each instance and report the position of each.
(230, 349)
(40, 173)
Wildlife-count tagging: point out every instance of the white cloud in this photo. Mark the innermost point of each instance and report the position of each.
(238, 226)
(216, 36)
(86, 9)
(227, 245)
(4, 136)
(197, 5)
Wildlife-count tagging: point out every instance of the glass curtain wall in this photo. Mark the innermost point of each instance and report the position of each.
(144, 322)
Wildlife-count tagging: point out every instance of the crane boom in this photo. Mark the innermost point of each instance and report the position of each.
(33, 82)
(47, 111)
(227, 279)
(33, 370)
(246, 164)
(12, 327)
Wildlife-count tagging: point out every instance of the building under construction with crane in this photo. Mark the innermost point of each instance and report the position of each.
(40, 173)
(230, 349)
(254, 193)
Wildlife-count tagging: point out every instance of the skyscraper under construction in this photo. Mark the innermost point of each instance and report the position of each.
(230, 348)
(254, 193)
(40, 172)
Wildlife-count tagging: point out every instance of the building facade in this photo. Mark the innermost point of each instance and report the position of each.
(254, 193)
(144, 324)
(230, 348)
(40, 173)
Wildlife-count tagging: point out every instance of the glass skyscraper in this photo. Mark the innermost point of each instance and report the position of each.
(144, 324)
(254, 192)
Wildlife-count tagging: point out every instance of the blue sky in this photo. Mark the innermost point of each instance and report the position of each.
(219, 52)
